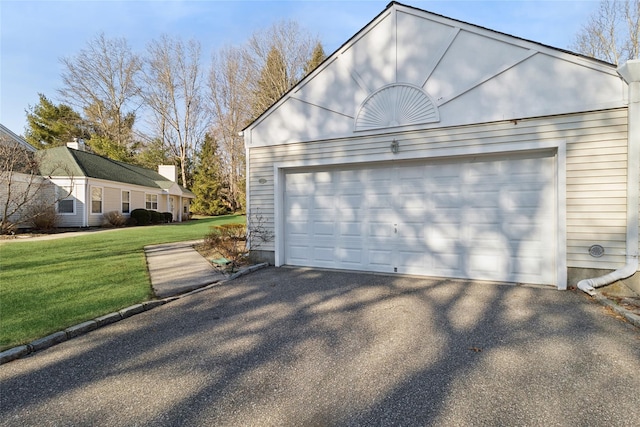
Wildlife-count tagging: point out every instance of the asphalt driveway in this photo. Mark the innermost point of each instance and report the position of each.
(284, 347)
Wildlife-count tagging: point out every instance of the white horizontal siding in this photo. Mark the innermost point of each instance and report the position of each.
(596, 169)
(79, 188)
(112, 199)
(138, 200)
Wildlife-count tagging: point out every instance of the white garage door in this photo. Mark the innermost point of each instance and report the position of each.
(491, 219)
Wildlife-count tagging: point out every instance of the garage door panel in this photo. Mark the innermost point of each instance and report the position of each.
(323, 228)
(299, 254)
(481, 215)
(297, 203)
(483, 199)
(412, 231)
(378, 229)
(483, 219)
(444, 237)
(349, 229)
(445, 216)
(445, 264)
(323, 202)
(344, 202)
(349, 256)
(521, 199)
(446, 199)
(380, 259)
(323, 253)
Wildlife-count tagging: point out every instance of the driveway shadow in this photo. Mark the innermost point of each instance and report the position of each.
(308, 347)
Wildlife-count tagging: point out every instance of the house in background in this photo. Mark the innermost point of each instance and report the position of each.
(89, 185)
(20, 185)
(426, 145)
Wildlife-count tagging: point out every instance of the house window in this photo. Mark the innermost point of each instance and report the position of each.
(152, 202)
(66, 202)
(126, 206)
(96, 200)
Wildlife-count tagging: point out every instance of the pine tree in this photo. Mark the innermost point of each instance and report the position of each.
(316, 59)
(273, 82)
(151, 154)
(50, 125)
(207, 184)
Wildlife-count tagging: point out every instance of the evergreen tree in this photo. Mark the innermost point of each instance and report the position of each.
(317, 56)
(207, 184)
(151, 154)
(50, 125)
(105, 147)
(102, 139)
(272, 83)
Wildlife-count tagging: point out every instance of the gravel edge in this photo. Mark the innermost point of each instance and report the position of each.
(631, 317)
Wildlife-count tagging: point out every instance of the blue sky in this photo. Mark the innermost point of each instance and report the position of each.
(34, 35)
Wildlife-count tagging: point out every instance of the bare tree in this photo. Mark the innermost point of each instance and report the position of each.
(244, 82)
(612, 32)
(25, 195)
(172, 81)
(101, 80)
(278, 58)
(229, 100)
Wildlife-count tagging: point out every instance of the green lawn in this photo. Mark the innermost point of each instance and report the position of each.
(46, 286)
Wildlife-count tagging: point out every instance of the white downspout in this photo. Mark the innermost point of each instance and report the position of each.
(630, 72)
(87, 203)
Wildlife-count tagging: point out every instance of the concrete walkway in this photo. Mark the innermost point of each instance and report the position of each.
(177, 268)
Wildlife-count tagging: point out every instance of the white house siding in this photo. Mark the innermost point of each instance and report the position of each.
(595, 169)
(34, 188)
(112, 199)
(76, 219)
(137, 199)
(163, 203)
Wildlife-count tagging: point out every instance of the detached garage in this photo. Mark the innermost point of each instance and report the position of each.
(430, 146)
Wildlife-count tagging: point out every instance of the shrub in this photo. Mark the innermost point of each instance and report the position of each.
(141, 216)
(168, 217)
(156, 217)
(229, 240)
(114, 219)
(44, 218)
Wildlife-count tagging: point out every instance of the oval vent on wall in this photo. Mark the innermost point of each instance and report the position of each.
(596, 251)
(396, 105)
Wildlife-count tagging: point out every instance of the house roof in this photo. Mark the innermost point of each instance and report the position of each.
(17, 139)
(65, 161)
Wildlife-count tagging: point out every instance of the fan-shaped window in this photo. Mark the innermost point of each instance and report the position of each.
(396, 105)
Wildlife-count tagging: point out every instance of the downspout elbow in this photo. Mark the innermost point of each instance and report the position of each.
(589, 285)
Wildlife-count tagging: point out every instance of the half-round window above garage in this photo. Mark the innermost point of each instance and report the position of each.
(396, 105)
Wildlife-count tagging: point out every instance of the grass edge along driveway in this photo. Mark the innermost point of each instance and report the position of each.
(49, 285)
